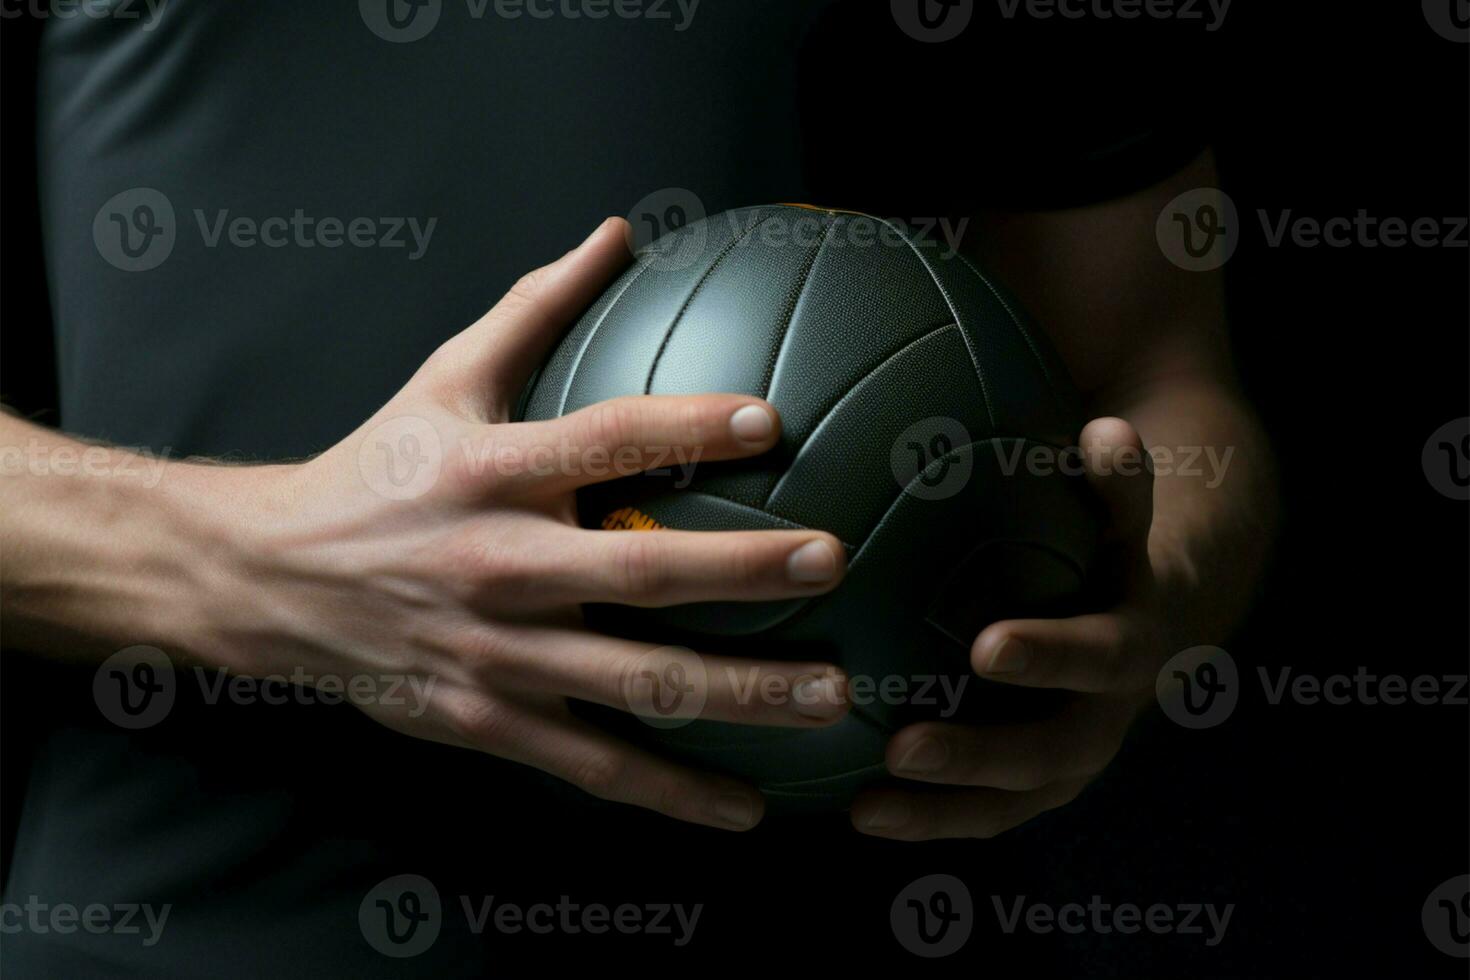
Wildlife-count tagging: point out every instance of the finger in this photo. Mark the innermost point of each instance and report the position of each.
(626, 436)
(1121, 473)
(493, 358)
(928, 814)
(669, 683)
(1096, 653)
(544, 564)
(666, 568)
(1078, 742)
(611, 769)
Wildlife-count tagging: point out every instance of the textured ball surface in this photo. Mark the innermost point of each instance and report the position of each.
(919, 412)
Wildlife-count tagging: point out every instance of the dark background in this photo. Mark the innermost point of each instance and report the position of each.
(1327, 826)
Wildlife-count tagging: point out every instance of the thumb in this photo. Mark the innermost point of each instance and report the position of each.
(493, 358)
(1121, 472)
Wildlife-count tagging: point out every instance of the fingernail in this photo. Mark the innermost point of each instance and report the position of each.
(927, 755)
(817, 697)
(1011, 657)
(813, 562)
(735, 809)
(890, 815)
(752, 423)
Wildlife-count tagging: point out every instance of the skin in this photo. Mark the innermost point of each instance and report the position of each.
(477, 583)
(1148, 346)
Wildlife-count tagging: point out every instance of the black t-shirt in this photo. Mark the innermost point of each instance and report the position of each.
(260, 218)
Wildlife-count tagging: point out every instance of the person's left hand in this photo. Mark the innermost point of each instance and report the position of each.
(982, 781)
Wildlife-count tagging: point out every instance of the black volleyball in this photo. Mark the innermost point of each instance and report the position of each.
(923, 423)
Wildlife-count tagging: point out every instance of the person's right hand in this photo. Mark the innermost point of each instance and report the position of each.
(440, 540)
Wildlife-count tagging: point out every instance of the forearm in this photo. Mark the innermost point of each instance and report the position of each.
(1214, 498)
(102, 548)
(1147, 342)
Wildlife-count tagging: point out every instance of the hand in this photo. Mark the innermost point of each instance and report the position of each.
(985, 780)
(439, 543)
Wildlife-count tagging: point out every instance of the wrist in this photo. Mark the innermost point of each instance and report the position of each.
(221, 519)
(124, 550)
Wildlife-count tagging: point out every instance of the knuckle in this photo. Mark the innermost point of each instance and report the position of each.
(1112, 669)
(506, 572)
(1027, 774)
(1109, 660)
(486, 563)
(463, 562)
(613, 423)
(619, 676)
(747, 563)
(922, 826)
(460, 477)
(600, 773)
(640, 566)
(695, 422)
(530, 286)
(485, 649)
(442, 365)
(916, 733)
(480, 721)
(1114, 639)
(668, 798)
